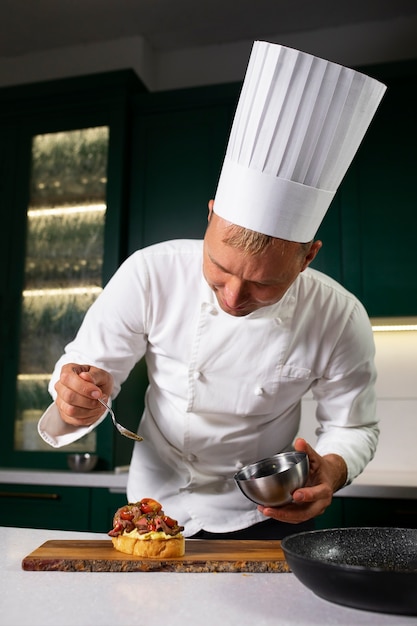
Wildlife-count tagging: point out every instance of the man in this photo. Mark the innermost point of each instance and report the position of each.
(237, 329)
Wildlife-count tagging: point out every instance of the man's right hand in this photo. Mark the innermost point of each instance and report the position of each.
(78, 388)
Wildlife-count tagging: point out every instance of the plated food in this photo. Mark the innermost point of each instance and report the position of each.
(143, 529)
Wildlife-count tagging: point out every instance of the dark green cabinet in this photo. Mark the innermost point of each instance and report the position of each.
(380, 512)
(40, 506)
(369, 231)
(37, 293)
(59, 508)
(103, 505)
(179, 141)
(384, 185)
(345, 512)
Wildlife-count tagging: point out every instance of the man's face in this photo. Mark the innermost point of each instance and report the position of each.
(244, 283)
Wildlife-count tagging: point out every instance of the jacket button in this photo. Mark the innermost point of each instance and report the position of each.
(259, 391)
(197, 375)
(191, 458)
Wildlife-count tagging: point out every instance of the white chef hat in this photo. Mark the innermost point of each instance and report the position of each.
(298, 124)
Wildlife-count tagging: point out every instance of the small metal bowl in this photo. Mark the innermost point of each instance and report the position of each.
(82, 462)
(272, 481)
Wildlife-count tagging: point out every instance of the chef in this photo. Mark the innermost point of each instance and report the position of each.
(237, 328)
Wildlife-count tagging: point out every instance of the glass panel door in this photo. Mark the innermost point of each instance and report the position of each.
(63, 264)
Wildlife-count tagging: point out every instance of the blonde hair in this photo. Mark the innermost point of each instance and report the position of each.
(253, 243)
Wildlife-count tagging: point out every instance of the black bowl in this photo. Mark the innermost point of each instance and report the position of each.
(373, 569)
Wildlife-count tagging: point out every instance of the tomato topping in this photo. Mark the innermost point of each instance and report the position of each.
(127, 515)
(169, 521)
(148, 505)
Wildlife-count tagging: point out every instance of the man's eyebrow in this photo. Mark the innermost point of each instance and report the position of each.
(272, 281)
(224, 269)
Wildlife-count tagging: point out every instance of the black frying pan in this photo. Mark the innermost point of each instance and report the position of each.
(374, 569)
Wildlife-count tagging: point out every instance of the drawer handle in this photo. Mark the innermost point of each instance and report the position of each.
(27, 495)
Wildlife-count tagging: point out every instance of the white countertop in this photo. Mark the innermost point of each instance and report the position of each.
(109, 599)
(64, 478)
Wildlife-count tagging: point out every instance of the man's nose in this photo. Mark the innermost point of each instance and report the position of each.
(234, 291)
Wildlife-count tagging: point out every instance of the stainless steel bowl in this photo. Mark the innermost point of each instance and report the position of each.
(82, 462)
(272, 481)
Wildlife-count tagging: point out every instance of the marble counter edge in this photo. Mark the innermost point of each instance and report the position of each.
(111, 480)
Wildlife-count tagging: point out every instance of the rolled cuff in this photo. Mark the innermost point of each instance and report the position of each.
(57, 433)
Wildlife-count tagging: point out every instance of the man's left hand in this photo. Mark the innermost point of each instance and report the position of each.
(327, 474)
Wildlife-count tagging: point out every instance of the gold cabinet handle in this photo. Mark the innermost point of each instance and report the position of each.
(27, 495)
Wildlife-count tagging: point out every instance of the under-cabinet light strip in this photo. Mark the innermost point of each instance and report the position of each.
(389, 324)
(67, 210)
(70, 291)
(34, 376)
(394, 327)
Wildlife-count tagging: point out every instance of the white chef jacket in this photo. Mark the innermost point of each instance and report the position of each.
(224, 391)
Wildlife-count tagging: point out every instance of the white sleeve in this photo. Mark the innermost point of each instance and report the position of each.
(346, 409)
(57, 433)
(111, 337)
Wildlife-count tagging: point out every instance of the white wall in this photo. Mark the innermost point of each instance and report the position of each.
(353, 45)
(396, 361)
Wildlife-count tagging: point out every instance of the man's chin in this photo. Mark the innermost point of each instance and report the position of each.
(237, 311)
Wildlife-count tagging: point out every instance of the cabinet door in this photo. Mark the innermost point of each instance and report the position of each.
(379, 512)
(369, 231)
(59, 242)
(64, 251)
(332, 516)
(104, 504)
(384, 186)
(179, 141)
(63, 214)
(59, 508)
(8, 157)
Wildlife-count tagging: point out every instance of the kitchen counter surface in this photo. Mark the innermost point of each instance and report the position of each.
(85, 598)
(112, 480)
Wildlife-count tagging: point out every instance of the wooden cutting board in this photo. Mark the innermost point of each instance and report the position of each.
(200, 556)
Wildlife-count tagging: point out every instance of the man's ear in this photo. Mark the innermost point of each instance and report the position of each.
(311, 254)
(210, 209)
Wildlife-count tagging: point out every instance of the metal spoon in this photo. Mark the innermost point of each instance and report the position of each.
(122, 430)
